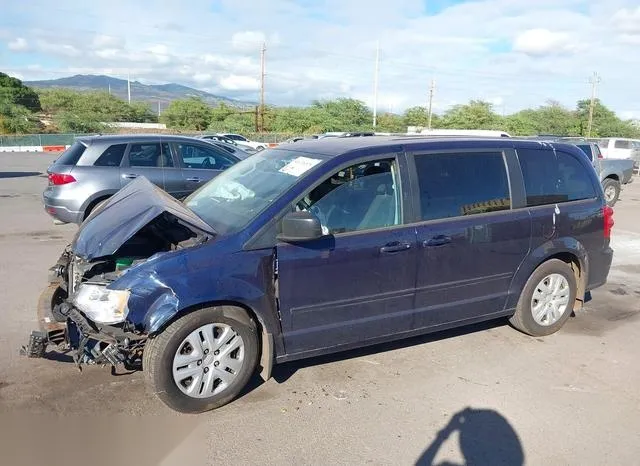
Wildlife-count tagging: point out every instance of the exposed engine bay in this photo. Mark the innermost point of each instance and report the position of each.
(67, 319)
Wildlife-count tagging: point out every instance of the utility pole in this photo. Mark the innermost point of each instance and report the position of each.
(375, 85)
(432, 89)
(129, 87)
(262, 74)
(109, 88)
(595, 80)
(158, 109)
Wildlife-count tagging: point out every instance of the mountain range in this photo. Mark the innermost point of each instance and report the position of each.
(150, 93)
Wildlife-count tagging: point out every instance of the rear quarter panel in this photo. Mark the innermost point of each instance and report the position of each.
(94, 183)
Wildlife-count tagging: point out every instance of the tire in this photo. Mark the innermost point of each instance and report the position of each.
(611, 189)
(92, 207)
(523, 319)
(159, 353)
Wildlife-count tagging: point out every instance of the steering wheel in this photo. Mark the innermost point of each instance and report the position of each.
(206, 163)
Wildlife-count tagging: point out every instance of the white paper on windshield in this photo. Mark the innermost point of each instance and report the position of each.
(299, 165)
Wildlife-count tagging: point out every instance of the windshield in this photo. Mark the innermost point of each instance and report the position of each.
(236, 196)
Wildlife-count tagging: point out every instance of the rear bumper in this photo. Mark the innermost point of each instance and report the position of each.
(63, 214)
(64, 203)
(599, 267)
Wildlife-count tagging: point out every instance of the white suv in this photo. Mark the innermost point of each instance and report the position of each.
(241, 140)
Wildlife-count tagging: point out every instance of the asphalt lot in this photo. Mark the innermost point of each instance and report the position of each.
(571, 398)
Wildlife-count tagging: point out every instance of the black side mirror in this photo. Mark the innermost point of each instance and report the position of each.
(299, 227)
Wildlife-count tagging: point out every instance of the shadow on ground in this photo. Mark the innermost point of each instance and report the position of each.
(486, 438)
(282, 372)
(18, 174)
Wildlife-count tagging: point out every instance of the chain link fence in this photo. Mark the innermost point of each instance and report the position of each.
(68, 139)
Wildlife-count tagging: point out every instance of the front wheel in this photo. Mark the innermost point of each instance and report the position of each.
(203, 360)
(546, 301)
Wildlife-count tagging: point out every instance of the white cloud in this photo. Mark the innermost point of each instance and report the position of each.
(239, 83)
(627, 20)
(19, 44)
(102, 41)
(160, 52)
(64, 50)
(248, 41)
(543, 42)
(202, 78)
(521, 51)
(107, 53)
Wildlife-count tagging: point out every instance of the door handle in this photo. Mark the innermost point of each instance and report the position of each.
(130, 176)
(439, 240)
(395, 247)
(195, 179)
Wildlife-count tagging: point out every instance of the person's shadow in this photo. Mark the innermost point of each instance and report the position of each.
(486, 438)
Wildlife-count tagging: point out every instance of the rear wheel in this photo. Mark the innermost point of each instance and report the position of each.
(611, 189)
(546, 301)
(203, 360)
(94, 206)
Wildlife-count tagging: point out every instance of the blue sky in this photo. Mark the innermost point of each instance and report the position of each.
(514, 53)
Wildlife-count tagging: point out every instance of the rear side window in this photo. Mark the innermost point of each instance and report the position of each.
(551, 178)
(621, 144)
(112, 157)
(586, 148)
(459, 184)
(72, 154)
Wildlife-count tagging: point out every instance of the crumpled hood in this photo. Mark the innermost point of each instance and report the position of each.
(126, 213)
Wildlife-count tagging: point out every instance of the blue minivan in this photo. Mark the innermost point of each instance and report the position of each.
(322, 246)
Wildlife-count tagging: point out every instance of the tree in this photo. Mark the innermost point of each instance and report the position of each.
(192, 113)
(78, 122)
(12, 91)
(477, 114)
(605, 121)
(417, 116)
(551, 118)
(391, 123)
(141, 112)
(16, 119)
(350, 114)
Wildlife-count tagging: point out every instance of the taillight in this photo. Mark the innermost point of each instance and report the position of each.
(60, 178)
(608, 221)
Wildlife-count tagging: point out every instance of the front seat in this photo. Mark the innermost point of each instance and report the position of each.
(381, 213)
(163, 160)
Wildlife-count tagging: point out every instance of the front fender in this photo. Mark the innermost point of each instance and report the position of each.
(172, 284)
(554, 247)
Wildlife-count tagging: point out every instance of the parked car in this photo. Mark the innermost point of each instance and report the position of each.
(241, 153)
(218, 137)
(241, 140)
(94, 168)
(324, 246)
(613, 173)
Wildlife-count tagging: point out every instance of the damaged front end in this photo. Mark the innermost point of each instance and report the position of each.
(80, 311)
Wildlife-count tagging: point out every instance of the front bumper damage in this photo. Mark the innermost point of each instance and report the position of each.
(136, 224)
(66, 329)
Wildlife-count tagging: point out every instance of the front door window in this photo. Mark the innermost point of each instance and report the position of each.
(360, 197)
